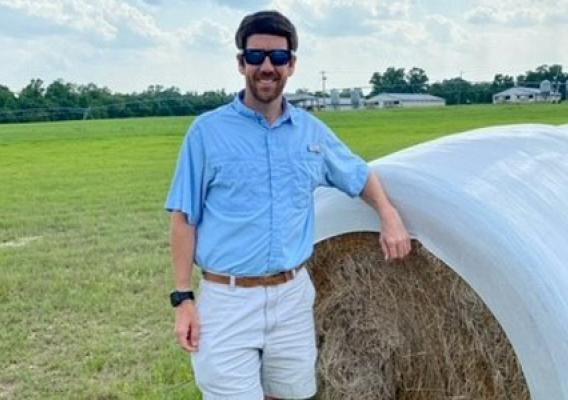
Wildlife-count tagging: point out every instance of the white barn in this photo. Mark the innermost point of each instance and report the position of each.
(334, 102)
(525, 95)
(309, 102)
(341, 104)
(387, 100)
(304, 100)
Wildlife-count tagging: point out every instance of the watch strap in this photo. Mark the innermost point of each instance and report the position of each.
(177, 297)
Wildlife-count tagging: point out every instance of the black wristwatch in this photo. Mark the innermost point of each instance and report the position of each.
(176, 298)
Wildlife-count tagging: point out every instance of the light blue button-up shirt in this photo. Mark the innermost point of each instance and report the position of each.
(248, 186)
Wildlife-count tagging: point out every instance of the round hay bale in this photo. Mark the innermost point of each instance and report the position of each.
(491, 205)
(408, 330)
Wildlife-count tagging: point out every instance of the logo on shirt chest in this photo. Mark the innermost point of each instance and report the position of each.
(314, 148)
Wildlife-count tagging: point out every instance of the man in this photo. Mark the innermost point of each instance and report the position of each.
(242, 207)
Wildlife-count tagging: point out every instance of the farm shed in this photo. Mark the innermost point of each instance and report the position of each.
(340, 104)
(304, 100)
(387, 100)
(525, 95)
(490, 205)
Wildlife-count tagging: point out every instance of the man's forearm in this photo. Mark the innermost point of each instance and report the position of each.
(395, 240)
(183, 250)
(375, 195)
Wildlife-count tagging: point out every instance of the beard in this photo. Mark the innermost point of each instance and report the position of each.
(266, 87)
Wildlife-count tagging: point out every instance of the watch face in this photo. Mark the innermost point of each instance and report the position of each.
(176, 298)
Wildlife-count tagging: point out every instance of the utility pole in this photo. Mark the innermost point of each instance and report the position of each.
(323, 79)
(460, 88)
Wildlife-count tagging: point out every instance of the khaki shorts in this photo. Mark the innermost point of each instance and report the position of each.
(257, 342)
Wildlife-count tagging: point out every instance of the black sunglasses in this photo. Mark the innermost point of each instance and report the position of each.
(277, 57)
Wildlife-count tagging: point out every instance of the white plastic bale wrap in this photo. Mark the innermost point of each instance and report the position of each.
(493, 205)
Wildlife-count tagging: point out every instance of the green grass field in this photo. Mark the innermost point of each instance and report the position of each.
(84, 257)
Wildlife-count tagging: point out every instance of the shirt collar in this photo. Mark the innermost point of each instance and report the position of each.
(240, 106)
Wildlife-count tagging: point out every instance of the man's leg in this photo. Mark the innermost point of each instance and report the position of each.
(228, 361)
(289, 354)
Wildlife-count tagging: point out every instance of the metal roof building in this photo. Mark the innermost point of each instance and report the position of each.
(310, 102)
(384, 100)
(525, 95)
(304, 100)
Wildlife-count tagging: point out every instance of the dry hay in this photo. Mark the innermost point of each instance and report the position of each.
(407, 331)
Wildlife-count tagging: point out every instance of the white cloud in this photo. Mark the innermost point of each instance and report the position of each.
(105, 21)
(342, 17)
(481, 15)
(443, 30)
(518, 13)
(42, 58)
(249, 5)
(108, 42)
(206, 34)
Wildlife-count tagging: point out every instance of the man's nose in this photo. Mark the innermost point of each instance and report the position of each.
(266, 64)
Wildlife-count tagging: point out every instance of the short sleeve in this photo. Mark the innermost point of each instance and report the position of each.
(343, 169)
(188, 186)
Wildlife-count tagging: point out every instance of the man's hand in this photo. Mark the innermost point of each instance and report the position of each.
(395, 240)
(187, 326)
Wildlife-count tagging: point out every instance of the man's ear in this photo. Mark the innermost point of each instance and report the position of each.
(292, 66)
(241, 63)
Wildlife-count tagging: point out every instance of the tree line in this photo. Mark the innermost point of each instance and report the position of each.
(62, 100)
(458, 90)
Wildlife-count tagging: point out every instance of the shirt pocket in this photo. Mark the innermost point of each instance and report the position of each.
(308, 173)
(243, 184)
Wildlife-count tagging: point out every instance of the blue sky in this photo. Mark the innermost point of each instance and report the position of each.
(128, 45)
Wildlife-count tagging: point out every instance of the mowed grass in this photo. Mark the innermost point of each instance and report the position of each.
(84, 257)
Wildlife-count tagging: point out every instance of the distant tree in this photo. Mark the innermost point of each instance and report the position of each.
(394, 80)
(455, 91)
(7, 98)
(63, 97)
(502, 82)
(96, 99)
(31, 95)
(481, 92)
(61, 94)
(8, 103)
(417, 80)
(32, 98)
(157, 100)
(377, 82)
(212, 99)
(302, 91)
(440, 89)
(62, 100)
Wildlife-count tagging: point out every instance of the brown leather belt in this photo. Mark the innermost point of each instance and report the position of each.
(254, 281)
